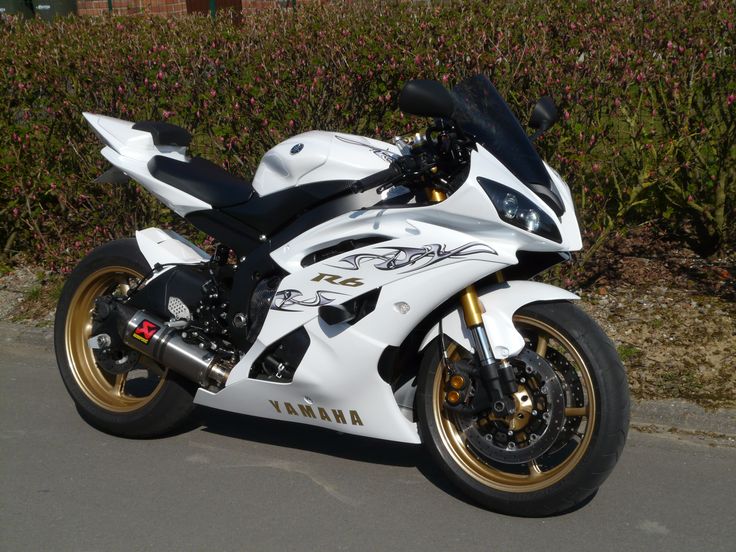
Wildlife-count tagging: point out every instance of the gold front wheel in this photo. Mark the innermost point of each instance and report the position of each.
(533, 460)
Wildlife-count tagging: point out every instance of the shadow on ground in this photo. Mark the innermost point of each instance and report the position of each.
(324, 441)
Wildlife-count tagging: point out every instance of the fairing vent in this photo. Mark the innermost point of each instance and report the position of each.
(342, 247)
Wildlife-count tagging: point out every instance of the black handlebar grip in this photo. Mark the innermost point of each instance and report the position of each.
(377, 179)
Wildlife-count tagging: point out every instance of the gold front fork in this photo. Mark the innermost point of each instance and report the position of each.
(435, 195)
(472, 310)
(497, 376)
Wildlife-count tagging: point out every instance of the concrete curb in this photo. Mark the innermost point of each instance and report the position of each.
(683, 415)
(27, 335)
(677, 414)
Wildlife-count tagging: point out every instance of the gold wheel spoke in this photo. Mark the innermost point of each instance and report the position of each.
(542, 346)
(575, 411)
(106, 390)
(119, 386)
(534, 469)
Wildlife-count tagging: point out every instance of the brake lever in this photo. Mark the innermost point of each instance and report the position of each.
(383, 187)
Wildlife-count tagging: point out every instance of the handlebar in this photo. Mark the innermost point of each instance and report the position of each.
(394, 172)
(407, 168)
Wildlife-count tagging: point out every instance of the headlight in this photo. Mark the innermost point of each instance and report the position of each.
(517, 210)
(531, 219)
(510, 206)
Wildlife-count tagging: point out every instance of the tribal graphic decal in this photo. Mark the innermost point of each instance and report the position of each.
(386, 155)
(293, 297)
(415, 257)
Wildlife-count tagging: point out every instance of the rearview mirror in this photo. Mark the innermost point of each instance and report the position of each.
(426, 98)
(543, 116)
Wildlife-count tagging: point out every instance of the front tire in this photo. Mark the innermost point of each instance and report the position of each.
(595, 424)
(145, 401)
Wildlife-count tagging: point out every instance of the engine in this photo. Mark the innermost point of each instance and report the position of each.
(179, 319)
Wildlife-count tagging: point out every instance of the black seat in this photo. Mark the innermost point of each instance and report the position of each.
(271, 212)
(244, 226)
(202, 179)
(165, 134)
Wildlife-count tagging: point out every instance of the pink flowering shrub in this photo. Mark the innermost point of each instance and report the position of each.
(647, 92)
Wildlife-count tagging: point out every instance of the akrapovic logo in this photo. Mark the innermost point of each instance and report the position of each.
(145, 331)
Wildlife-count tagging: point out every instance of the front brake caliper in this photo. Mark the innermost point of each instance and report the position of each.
(457, 386)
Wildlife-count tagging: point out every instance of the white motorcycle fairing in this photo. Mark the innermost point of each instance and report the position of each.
(453, 246)
(377, 414)
(418, 257)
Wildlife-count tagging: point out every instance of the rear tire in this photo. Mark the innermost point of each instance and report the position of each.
(596, 406)
(147, 401)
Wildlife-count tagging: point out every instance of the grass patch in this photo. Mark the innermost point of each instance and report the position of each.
(39, 303)
(34, 294)
(628, 352)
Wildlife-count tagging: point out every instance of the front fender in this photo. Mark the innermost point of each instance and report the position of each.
(499, 302)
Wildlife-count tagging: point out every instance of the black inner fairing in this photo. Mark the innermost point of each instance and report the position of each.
(272, 212)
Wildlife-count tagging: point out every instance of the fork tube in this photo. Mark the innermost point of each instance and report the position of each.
(489, 368)
(472, 310)
(473, 314)
(435, 195)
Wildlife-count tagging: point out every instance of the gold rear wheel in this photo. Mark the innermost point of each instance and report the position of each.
(123, 392)
(114, 389)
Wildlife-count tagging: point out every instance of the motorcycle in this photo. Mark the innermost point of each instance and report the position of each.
(377, 289)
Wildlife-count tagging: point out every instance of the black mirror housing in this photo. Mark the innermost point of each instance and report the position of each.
(426, 98)
(544, 115)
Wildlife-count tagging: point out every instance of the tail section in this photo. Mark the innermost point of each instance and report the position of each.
(130, 146)
(140, 140)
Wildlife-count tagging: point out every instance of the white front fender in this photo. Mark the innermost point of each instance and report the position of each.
(500, 302)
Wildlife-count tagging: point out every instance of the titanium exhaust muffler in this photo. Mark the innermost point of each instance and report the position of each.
(151, 337)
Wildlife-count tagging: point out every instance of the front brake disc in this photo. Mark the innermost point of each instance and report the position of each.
(500, 439)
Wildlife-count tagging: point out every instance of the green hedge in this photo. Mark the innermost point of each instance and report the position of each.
(647, 92)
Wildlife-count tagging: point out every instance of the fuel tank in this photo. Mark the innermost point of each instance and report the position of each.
(320, 156)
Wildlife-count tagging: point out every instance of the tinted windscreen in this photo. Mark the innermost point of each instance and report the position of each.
(481, 112)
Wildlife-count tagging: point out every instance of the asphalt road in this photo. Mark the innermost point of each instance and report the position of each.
(240, 483)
